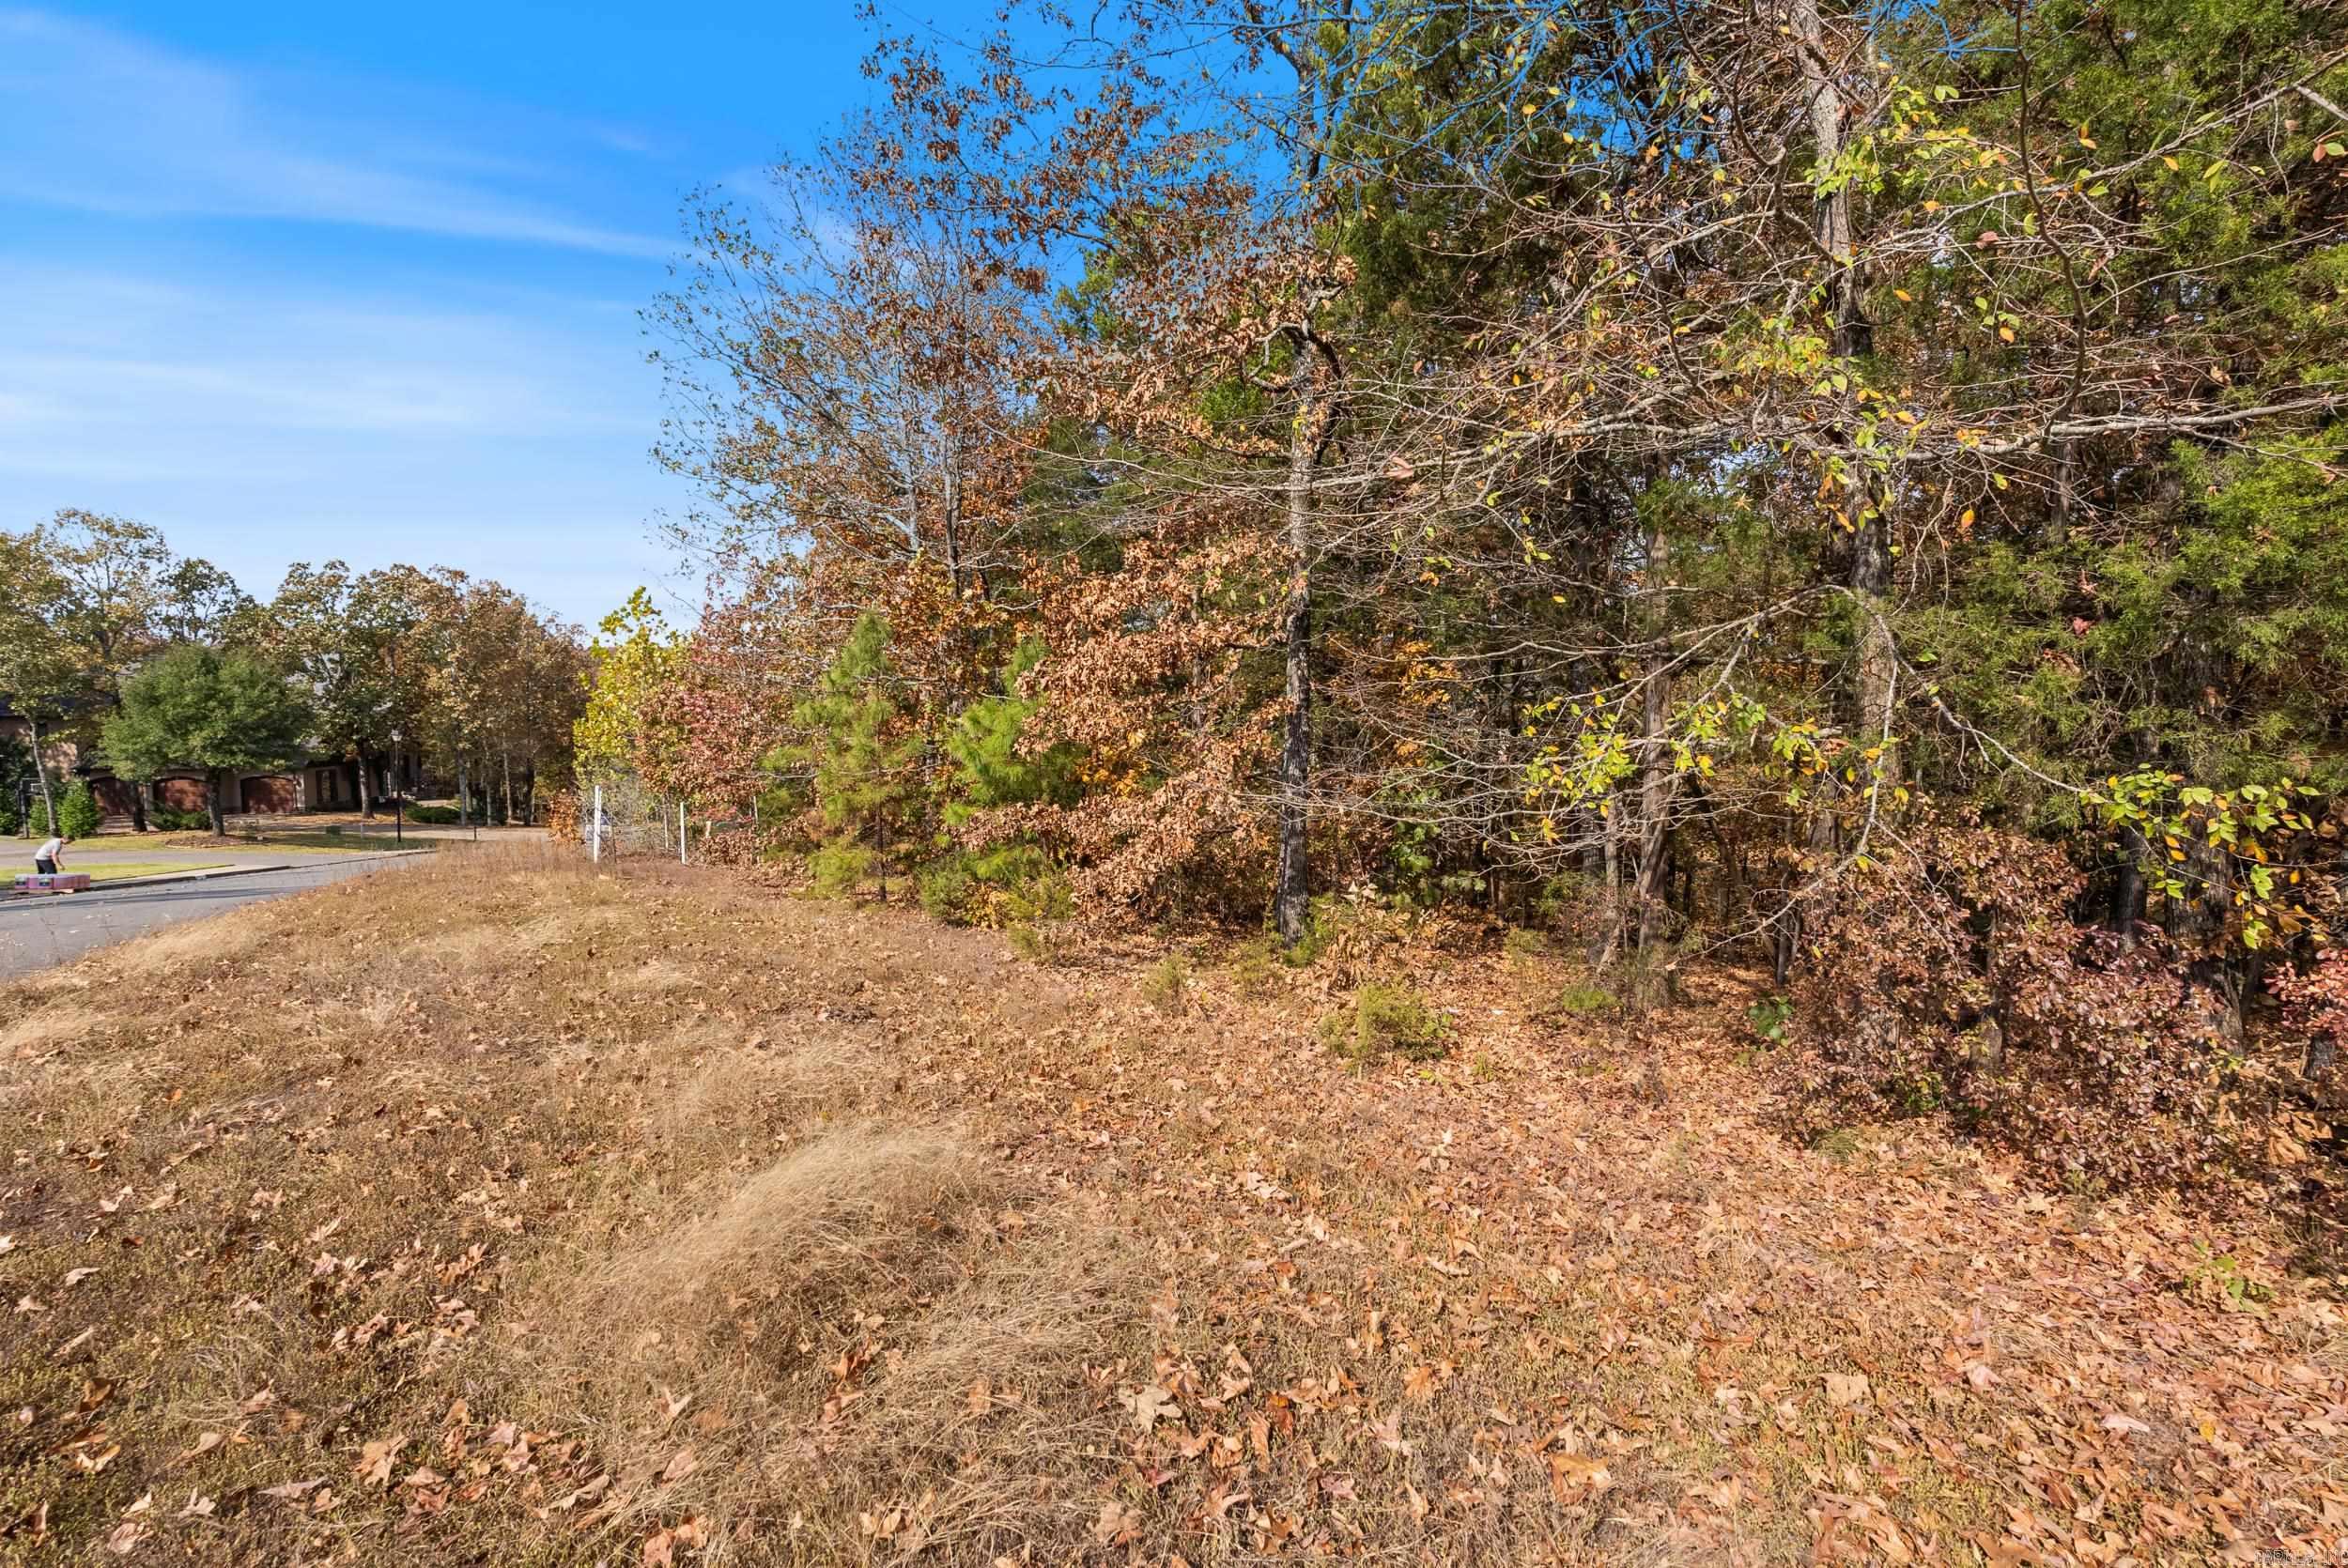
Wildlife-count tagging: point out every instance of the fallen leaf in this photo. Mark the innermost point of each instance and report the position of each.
(1117, 1525)
(375, 1460)
(1151, 1405)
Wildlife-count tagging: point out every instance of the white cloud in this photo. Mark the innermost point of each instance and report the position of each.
(259, 423)
(100, 122)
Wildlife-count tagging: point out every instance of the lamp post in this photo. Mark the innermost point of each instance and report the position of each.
(399, 796)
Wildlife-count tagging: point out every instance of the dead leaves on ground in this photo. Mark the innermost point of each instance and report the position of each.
(1384, 1311)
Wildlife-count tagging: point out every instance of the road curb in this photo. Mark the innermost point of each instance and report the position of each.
(208, 874)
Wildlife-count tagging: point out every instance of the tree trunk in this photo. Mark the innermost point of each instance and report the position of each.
(1853, 337)
(1655, 770)
(1878, 667)
(1293, 891)
(362, 786)
(1853, 334)
(505, 763)
(2127, 899)
(1291, 899)
(464, 797)
(138, 808)
(216, 798)
(1610, 901)
(41, 768)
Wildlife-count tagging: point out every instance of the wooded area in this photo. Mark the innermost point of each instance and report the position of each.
(1845, 489)
(388, 671)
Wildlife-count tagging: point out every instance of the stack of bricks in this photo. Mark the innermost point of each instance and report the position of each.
(60, 882)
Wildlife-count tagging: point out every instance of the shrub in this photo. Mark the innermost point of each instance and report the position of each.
(1587, 999)
(1770, 1018)
(1386, 1020)
(78, 814)
(840, 865)
(1321, 924)
(563, 817)
(170, 819)
(1522, 946)
(1255, 964)
(434, 815)
(9, 821)
(945, 888)
(1019, 884)
(1036, 944)
(1166, 986)
(1951, 976)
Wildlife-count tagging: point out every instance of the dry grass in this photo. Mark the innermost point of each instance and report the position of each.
(639, 1218)
(50, 1024)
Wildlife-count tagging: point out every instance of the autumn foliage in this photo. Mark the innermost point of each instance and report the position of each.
(1787, 490)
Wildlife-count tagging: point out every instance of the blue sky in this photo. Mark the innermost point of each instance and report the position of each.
(293, 281)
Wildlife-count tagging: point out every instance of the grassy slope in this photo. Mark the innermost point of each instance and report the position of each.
(529, 1216)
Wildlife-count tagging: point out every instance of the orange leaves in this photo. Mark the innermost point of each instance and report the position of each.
(1573, 1477)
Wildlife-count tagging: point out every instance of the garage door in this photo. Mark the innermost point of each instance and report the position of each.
(271, 792)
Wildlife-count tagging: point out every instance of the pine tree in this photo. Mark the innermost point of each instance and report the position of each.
(78, 816)
(989, 768)
(860, 756)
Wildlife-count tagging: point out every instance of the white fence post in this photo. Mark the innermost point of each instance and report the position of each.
(680, 833)
(594, 833)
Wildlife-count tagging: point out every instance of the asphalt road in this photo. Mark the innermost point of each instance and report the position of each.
(36, 933)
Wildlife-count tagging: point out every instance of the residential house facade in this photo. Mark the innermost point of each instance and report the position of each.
(315, 784)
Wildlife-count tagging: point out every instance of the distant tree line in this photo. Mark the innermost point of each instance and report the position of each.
(155, 663)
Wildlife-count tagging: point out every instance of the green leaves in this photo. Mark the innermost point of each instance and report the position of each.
(201, 707)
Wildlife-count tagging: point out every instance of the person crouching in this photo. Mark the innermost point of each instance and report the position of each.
(46, 857)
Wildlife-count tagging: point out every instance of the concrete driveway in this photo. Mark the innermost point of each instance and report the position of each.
(36, 932)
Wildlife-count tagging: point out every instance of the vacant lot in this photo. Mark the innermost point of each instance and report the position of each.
(503, 1212)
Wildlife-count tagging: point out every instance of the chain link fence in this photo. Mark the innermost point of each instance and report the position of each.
(620, 818)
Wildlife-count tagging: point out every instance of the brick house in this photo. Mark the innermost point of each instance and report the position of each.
(308, 786)
(313, 784)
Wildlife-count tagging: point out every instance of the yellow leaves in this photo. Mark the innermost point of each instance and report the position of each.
(2170, 162)
(2085, 140)
(1903, 295)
